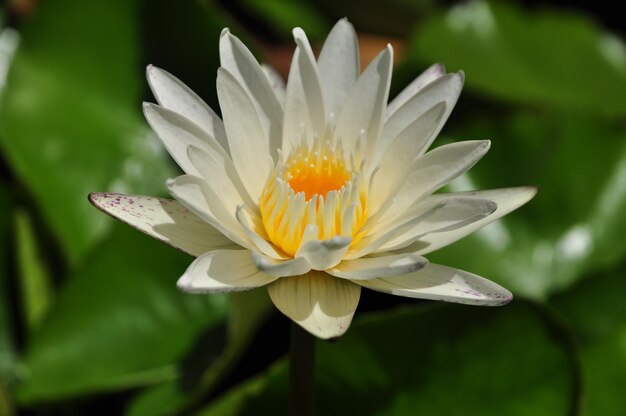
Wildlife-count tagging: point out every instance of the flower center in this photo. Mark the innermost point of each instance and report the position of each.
(315, 173)
(316, 194)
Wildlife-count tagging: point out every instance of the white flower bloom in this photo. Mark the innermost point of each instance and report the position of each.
(318, 188)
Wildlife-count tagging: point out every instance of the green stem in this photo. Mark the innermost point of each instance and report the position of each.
(301, 372)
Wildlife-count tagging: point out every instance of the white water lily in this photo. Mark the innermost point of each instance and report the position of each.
(319, 188)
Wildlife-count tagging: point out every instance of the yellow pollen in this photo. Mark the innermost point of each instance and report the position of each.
(317, 193)
(317, 178)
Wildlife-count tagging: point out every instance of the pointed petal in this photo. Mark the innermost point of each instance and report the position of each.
(398, 159)
(280, 268)
(442, 283)
(195, 194)
(455, 214)
(429, 75)
(219, 172)
(223, 271)
(446, 88)
(507, 200)
(339, 65)
(304, 103)
(163, 219)
(276, 81)
(253, 227)
(364, 108)
(429, 173)
(239, 61)
(174, 95)
(321, 304)
(177, 133)
(249, 147)
(375, 267)
(376, 236)
(324, 254)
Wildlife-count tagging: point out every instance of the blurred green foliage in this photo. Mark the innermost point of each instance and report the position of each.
(89, 313)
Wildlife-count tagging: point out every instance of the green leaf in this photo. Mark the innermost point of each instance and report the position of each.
(574, 225)
(35, 283)
(429, 360)
(596, 311)
(550, 58)
(283, 15)
(70, 118)
(7, 347)
(248, 310)
(120, 322)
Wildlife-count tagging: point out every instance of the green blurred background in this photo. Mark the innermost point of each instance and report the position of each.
(91, 321)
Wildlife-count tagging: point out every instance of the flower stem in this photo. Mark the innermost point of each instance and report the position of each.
(301, 372)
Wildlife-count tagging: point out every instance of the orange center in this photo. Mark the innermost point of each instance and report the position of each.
(316, 176)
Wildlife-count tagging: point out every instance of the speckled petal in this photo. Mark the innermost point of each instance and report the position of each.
(223, 271)
(442, 283)
(163, 219)
(321, 304)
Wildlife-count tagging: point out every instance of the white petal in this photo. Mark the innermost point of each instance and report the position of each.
(249, 147)
(376, 237)
(177, 133)
(443, 283)
(324, 254)
(456, 213)
(276, 81)
(304, 103)
(253, 227)
(339, 65)
(321, 304)
(239, 61)
(198, 197)
(223, 271)
(280, 268)
(220, 174)
(398, 159)
(507, 199)
(374, 267)
(364, 108)
(446, 88)
(429, 173)
(163, 219)
(174, 95)
(429, 75)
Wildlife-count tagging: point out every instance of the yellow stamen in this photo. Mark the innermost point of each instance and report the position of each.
(315, 188)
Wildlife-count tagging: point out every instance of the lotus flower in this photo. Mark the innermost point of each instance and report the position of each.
(317, 188)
